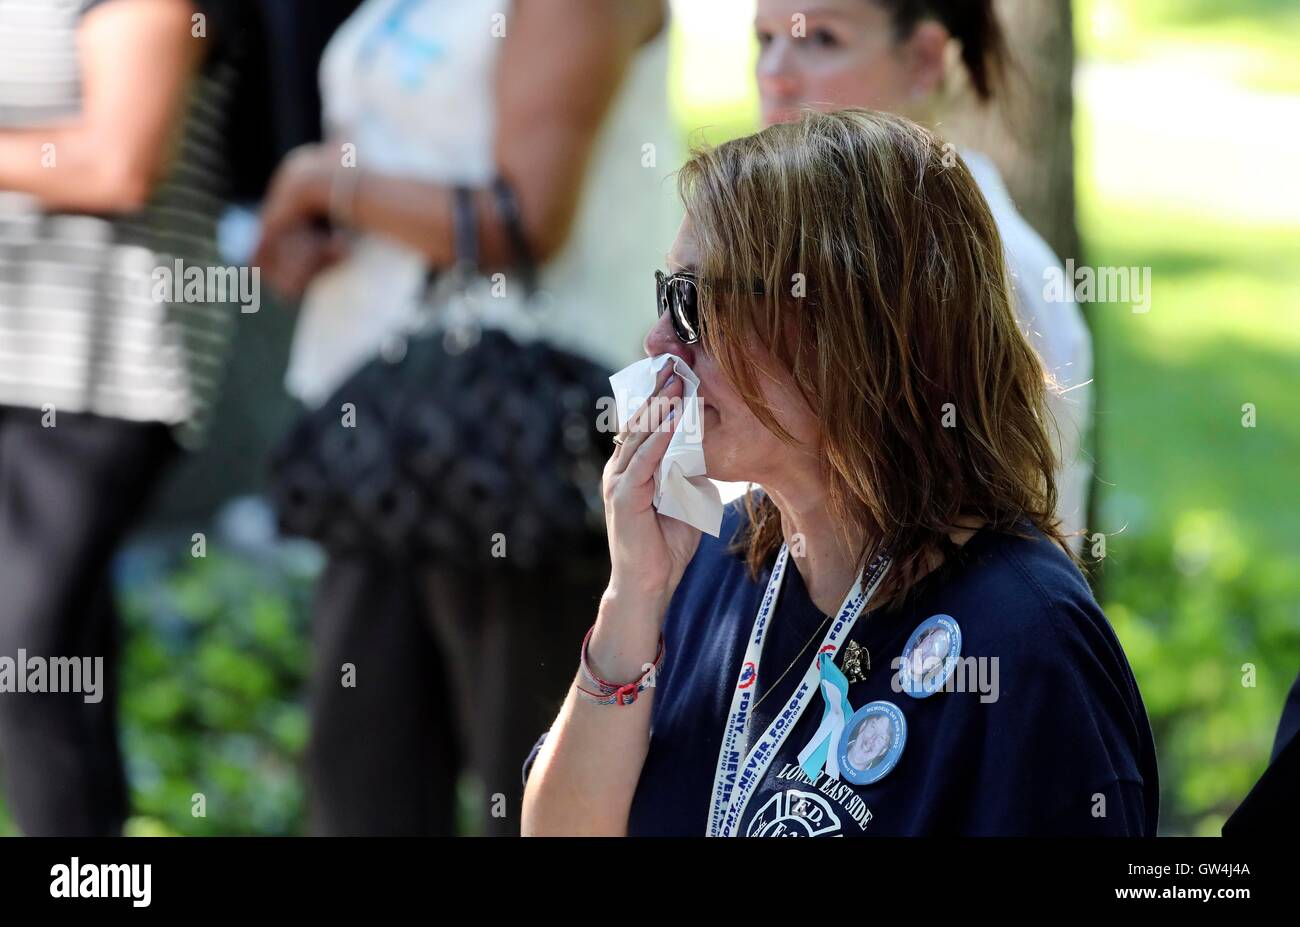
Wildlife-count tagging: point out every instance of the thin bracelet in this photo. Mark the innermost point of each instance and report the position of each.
(343, 195)
(464, 225)
(612, 693)
(604, 684)
(508, 210)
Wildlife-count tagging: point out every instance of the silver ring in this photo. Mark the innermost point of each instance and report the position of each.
(618, 440)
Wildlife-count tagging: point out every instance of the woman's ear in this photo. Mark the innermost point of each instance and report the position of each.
(924, 54)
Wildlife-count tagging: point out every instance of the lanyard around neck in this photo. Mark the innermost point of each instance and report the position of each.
(737, 775)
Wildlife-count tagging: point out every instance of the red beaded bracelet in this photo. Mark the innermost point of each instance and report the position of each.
(612, 693)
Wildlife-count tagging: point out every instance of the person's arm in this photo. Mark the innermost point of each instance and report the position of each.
(136, 58)
(561, 66)
(585, 775)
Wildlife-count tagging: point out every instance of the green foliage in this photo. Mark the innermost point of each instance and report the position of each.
(1212, 629)
(214, 671)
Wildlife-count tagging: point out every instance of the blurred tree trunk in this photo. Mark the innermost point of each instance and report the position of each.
(1028, 129)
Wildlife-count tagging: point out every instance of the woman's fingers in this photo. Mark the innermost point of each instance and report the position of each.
(641, 427)
(646, 458)
(296, 258)
(648, 419)
(300, 257)
(635, 420)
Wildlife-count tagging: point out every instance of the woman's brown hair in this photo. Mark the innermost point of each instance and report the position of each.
(973, 24)
(886, 298)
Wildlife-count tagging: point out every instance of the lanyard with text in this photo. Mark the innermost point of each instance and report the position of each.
(733, 781)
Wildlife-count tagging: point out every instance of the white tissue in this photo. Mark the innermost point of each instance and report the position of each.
(682, 490)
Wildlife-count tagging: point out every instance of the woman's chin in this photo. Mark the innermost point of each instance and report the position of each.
(719, 462)
(723, 457)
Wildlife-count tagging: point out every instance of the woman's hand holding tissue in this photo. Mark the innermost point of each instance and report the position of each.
(648, 551)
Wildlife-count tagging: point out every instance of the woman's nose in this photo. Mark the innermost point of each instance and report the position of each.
(775, 70)
(661, 339)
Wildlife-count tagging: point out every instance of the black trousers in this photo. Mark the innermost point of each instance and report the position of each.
(68, 494)
(451, 671)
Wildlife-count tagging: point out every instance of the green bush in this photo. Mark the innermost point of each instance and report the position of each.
(213, 682)
(1212, 629)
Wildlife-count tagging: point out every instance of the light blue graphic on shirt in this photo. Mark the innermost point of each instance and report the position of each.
(414, 52)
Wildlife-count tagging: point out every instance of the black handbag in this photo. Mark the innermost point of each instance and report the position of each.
(474, 454)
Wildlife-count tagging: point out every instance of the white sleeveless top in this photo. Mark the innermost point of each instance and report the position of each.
(412, 84)
(1059, 334)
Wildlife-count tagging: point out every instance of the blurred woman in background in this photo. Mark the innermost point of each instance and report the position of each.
(560, 105)
(110, 169)
(894, 55)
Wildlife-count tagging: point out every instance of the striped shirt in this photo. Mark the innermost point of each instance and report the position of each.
(82, 325)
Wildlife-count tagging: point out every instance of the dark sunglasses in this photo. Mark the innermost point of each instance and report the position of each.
(679, 295)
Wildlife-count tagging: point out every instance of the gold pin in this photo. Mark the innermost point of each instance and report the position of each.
(853, 654)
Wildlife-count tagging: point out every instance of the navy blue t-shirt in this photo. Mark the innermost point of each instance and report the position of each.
(1059, 745)
(1049, 736)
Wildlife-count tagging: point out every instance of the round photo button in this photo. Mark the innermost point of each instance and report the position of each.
(872, 742)
(930, 656)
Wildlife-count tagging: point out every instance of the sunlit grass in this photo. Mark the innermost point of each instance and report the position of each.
(1256, 42)
(1223, 331)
